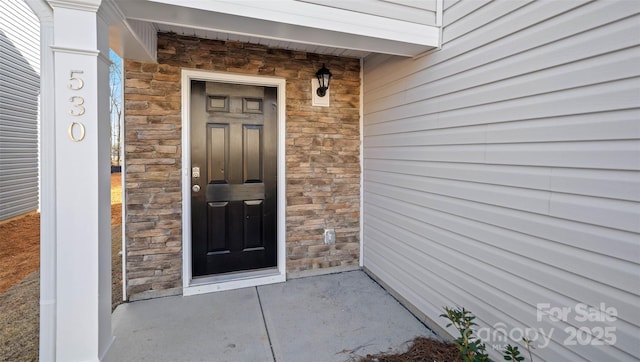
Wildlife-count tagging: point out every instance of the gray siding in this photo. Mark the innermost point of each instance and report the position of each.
(420, 12)
(503, 170)
(19, 88)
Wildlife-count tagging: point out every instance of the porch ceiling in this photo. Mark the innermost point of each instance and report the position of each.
(288, 24)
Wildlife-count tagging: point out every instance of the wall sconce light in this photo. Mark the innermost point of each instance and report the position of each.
(324, 77)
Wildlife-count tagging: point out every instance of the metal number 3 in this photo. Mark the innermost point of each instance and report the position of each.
(77, 104)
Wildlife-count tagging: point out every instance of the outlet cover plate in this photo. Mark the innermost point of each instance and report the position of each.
(329, 236)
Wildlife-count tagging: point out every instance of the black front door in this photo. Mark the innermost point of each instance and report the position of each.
(233, 179)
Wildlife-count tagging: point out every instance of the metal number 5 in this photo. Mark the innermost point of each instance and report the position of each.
(78, 108)
(75, 83)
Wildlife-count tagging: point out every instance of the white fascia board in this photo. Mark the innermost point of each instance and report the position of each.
(215, 21)
(313, 16)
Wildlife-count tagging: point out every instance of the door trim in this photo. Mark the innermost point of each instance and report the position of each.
(190, 285)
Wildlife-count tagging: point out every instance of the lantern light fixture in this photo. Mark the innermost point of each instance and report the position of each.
(324, 77)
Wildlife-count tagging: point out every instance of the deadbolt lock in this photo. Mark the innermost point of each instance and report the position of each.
(195, 172)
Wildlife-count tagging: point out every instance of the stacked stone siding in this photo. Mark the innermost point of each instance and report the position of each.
(322, 156)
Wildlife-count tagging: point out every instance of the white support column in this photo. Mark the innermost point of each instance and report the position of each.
(47, 185)
(81, 215)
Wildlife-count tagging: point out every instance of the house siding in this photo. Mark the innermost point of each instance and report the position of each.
(19, 90)
(503, 170)
(420, 12)
(322, 156)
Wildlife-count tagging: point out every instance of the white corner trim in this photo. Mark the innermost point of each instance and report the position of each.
(123, 180)
(361, 156)
(191, 286)
(439, 13)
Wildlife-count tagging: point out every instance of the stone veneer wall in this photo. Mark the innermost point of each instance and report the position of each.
(322, 157)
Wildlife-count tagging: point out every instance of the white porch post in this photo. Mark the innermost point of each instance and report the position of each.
(47, 183)
(79, 215)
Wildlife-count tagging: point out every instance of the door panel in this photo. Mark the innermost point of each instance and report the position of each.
(218, 135)
(253, 225)
(217, 219)
(233, 143)
(252, 153)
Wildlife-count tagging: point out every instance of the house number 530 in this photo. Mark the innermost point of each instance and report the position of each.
(77, 105)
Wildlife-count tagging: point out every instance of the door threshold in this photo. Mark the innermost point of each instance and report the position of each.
(229, 281)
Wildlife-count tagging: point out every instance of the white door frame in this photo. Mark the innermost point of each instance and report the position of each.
(191, 286)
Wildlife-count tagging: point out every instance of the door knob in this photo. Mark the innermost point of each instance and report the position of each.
(195, 188)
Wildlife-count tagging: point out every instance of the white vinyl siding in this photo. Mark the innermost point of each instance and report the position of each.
(503, 171)
(19, 89)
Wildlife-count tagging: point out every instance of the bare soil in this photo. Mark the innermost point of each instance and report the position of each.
(20, 278)
(20, 240)
(19, 249)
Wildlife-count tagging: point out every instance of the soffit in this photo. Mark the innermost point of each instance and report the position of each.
(287, 24)
(272, 43)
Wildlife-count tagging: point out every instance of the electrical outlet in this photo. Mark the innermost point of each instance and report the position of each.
(329, 236)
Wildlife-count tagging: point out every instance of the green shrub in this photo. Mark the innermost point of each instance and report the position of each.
(471, 348)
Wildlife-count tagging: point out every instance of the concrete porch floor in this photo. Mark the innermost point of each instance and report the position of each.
(335, 317)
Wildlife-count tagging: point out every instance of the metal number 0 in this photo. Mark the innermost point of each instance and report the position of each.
(70, 131)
